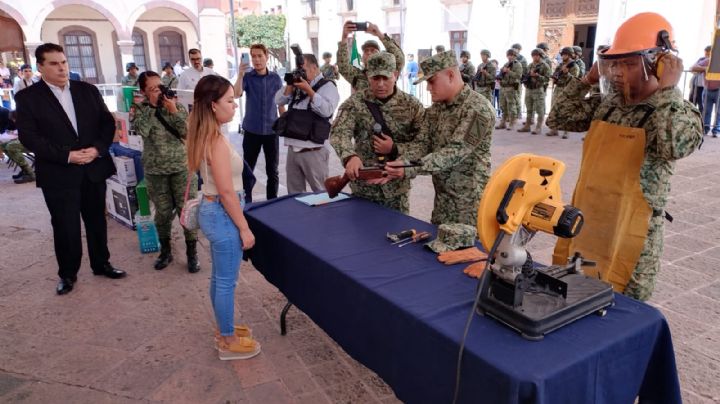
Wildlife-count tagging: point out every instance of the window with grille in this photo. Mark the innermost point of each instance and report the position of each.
(80, 55)
(139, 50)
(171, 47)
(458, 41)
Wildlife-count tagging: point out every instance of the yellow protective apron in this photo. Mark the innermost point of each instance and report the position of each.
(609, 195)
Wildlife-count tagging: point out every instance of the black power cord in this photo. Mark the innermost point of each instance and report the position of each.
(458, 370)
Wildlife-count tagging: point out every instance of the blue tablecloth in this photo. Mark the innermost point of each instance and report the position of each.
(402, 313)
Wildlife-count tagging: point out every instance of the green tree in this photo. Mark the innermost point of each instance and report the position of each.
(267, 29)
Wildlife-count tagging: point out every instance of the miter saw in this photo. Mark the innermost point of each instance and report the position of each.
(521, 198)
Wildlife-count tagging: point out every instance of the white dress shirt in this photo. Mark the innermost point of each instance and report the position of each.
(65, 98)
(21, 84)
(324, 103)
(190, 77)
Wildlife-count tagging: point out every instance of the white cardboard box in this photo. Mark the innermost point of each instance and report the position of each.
(125, 170)
(135, 142)
(121, 201)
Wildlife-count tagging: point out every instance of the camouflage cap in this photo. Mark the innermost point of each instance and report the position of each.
(537, 51)
(436, 63)
(517, 46)
(511, 51)
(485, 52)
(370, 44)
(543, 45)
(453, 236)
(381, 64)
(440, 48)
(578, 50)
(130, 65)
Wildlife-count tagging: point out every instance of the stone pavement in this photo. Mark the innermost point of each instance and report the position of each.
(148, 338)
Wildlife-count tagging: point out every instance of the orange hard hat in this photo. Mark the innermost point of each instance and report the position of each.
(641, 34)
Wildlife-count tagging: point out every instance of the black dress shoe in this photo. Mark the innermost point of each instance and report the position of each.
(64, 286)
(110, 272)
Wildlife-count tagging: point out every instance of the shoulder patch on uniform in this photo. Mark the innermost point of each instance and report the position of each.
(472, 135)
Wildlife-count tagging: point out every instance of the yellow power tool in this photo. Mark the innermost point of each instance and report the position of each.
(521, 198)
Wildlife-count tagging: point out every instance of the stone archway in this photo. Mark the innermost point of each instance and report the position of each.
(560, 19)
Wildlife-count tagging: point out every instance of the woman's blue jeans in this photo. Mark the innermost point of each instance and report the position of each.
(226, 253)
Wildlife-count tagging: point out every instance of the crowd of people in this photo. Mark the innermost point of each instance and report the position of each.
(624, 102)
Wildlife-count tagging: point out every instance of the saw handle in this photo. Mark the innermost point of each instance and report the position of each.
(502, 216)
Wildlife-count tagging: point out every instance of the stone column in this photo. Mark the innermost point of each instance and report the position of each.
(126, 53)
(213, 41)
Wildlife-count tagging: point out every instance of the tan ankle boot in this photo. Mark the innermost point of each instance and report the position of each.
(538, 127)
(501, 125)
(511, 125)
(526, 127)
(553, 132)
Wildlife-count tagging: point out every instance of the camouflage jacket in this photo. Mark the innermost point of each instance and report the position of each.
(513, 75)
(523, 62)
(352, 133)
(329, 71)
(544, 72)
(482, 80)
(356, 76)
(454, 147)
(163, 153)
(560, 78)
(467, 71)
(581, 67)
(170, 81)
(673, 131)
(128, 80)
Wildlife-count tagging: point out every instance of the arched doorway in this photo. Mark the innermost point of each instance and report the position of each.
(86, 35)
(170, 33)
(12, 44)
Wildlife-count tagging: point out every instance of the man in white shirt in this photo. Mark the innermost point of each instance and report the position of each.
(5, 75)
(177, 68)
(24, 80)
(307, 161)
(189, 78)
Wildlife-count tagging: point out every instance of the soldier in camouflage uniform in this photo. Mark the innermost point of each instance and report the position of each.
(485, 77)
(579, 60)
(467, 69)
(169, 79)
(355, 75)
(353, 138)
(453, 144)
(510, 90)
(131, 78)
(161, 123)
(562, 75)
(16, 153)
(672, 128)
(535, 86)
(329, 70)
(523, 62)
(545, 49)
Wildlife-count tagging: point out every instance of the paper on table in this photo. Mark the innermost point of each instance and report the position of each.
(320, 199)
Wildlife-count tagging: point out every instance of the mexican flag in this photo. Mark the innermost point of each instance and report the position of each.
(355, 55)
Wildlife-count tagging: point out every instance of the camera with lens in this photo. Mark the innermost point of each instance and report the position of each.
(299, 73)
(167, 92)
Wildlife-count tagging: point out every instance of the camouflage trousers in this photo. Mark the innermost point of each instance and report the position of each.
(535, 103)
(167, 192)
(486, 92)
(509, 103)
(15, 152)
(642, 281)
(450, 209)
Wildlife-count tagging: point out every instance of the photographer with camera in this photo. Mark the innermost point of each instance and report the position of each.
(160, 120)
(353, 74)
(260, 84)
(311, 101)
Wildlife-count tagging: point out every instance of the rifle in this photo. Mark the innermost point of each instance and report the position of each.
(525, 79)
(558, 70)
(335, 184)
(509, 65)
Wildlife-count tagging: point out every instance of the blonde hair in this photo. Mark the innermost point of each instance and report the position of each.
(203, 127)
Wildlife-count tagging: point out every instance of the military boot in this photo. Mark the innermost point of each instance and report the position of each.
(526, 127)
(27, 176)
(538, 128)
(165, 257)
(553, 132)
(502, 124)
(511, 125)
(192, 257)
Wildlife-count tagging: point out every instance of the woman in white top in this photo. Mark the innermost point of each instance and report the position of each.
(221, 209)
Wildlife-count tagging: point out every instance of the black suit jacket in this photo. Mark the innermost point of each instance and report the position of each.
(45, 129)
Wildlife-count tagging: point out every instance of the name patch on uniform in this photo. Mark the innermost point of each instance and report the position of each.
(472, 136)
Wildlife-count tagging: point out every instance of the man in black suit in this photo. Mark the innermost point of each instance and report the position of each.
(68, 127)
